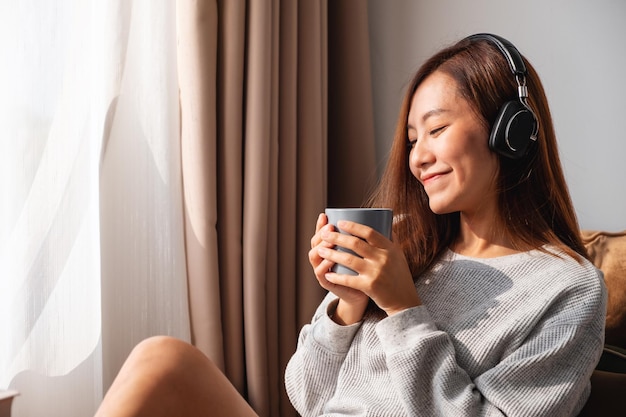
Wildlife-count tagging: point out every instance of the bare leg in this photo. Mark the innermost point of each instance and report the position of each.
(164, 376)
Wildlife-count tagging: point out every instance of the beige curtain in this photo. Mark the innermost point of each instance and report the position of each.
(268, 98)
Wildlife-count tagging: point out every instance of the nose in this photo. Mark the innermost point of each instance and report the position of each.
(420, 156)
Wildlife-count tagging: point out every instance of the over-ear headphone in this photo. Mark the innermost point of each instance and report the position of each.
(516, 126)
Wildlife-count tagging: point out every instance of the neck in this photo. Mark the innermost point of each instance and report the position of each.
(482, 237)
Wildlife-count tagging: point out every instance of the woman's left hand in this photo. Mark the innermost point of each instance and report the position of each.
(383, 272)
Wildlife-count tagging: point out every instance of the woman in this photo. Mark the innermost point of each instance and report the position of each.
(483, 304)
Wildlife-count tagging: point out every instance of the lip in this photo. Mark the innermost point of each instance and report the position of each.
(426, 178)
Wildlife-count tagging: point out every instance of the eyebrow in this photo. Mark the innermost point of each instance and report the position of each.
(429, 114)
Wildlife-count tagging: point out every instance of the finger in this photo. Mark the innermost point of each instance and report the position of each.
(322, 220)
(343, 258)
(364, 232)
(353, 243)
(314, 256)
(317, 239)
(343, 280)
(323, 268)
(320, 273)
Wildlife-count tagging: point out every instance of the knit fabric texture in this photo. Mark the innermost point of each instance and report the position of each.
(517, 335)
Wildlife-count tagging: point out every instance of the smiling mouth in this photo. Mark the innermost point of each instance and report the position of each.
(430, 178)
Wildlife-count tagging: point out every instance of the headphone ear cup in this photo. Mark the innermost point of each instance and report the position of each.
(511, 133)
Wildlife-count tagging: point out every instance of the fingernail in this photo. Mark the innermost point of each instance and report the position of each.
(322, 251)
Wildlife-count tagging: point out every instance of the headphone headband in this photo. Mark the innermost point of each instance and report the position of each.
(510, 52)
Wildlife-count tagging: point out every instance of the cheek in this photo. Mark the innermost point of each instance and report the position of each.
(478, 159)
(475, 169)
(485, 174)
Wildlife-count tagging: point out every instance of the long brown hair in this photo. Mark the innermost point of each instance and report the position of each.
(534, 202)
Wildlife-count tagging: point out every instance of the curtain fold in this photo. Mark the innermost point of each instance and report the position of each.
(254, 87)
(197, 27)
(230, 89)
(260, 204)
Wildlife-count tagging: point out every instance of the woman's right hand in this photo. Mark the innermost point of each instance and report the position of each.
(352, 302)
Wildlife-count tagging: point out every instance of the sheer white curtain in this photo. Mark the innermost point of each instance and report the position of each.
(91, 221)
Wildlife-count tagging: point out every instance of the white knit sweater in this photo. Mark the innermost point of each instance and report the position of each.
(517, 335)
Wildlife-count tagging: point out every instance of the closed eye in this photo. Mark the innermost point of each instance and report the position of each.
(437, 131)
(410, 144)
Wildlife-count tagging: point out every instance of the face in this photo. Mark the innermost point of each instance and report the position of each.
(449, 152)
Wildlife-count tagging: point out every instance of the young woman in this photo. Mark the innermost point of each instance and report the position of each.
(483, 303)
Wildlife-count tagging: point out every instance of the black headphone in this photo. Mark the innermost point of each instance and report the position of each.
(516, 126)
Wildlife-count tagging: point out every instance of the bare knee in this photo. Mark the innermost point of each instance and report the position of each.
(161, 346)
(166, 356)
(158, 342)
(157, 379)
(166, 376)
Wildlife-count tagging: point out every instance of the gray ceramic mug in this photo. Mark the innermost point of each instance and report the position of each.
(379, 219)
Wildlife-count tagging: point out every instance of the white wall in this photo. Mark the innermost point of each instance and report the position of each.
(577, 46)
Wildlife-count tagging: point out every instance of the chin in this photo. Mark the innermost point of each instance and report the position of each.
(442, 205)
(437, 209)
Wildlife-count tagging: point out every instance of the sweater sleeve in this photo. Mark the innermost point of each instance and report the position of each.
(546, 375)
(312, 372)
